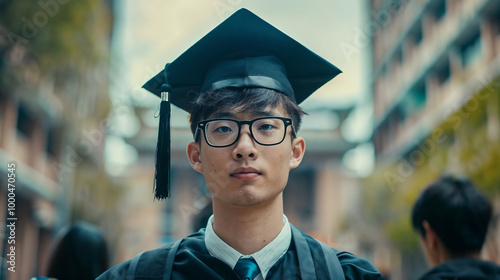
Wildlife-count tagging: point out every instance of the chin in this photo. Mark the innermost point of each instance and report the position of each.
(245, 203)
(254, 199)
(246, 200)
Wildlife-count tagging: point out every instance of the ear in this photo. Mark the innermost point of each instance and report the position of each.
(432, 244)
(298, 149)
(431, 238)
(193, 153)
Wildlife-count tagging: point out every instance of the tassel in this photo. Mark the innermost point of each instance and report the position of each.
(162, 172)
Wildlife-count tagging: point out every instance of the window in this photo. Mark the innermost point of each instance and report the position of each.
(492, 13)
(3, 111)
(24, 122)
(398, 56)
(443, 71)
(52, 143)
(417, 34)
(414, 100)
(439, 10)
(471, 50)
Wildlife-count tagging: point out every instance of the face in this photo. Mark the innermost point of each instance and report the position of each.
(247, 173)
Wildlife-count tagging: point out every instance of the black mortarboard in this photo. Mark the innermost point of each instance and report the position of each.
(242, 51)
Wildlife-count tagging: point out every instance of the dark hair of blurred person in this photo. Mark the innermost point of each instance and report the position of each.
(80, 253)
(200, 220)
(452, 219)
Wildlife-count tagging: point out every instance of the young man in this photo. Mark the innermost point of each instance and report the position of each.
(242, 83)
(452, 218)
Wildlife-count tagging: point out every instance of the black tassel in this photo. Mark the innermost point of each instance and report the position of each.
(162, 172)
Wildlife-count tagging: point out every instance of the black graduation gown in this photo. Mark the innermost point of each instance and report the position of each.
(192, 261)
(464, 269)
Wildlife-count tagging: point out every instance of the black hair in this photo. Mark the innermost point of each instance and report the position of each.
(458, 213)
(81, 253)
(252, 99)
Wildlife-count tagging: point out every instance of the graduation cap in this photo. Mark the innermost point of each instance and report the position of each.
(243, 51)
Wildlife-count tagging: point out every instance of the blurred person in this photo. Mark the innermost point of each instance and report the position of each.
(201, 218)
(80, 253)
(452, 219)
(241, 84)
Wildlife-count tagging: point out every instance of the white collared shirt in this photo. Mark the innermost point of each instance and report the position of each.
(265, 258)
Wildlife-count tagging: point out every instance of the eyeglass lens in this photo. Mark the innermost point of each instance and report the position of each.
(265, 131)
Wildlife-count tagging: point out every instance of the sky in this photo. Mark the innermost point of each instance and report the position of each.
(148, 34)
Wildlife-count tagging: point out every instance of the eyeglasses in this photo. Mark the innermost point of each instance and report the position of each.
(266, 131)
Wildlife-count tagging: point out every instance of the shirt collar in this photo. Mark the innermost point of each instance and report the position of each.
(265, 258)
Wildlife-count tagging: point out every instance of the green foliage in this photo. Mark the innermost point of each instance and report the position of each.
(402, 234)
(65, 43)
(70, 33)
(465, 144)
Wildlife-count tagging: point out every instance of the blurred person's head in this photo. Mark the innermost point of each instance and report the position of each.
(80, 253)
(452, 218)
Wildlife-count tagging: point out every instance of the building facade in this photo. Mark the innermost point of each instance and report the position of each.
(53, 100)
(435, 84)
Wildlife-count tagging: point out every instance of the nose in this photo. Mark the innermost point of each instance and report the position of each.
(245, 146)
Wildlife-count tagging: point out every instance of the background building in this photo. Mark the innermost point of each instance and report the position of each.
(54, 59)
(436, 87)
(82, 133)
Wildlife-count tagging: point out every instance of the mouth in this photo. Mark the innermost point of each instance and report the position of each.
(246, 173)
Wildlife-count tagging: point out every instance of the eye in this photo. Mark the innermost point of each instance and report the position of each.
(222, 129)
(266, 126)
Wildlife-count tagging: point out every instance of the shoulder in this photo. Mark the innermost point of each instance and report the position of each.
(116, 272)
(153, 260)
(463, 268)
(151, 264)
(354, 267)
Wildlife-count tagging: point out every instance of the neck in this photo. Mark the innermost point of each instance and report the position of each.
(447, 256)
(444, 255)
(247, 229)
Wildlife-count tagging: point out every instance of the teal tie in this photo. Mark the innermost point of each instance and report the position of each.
(247, 268)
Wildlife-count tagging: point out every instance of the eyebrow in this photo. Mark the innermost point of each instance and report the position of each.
(232, 115)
